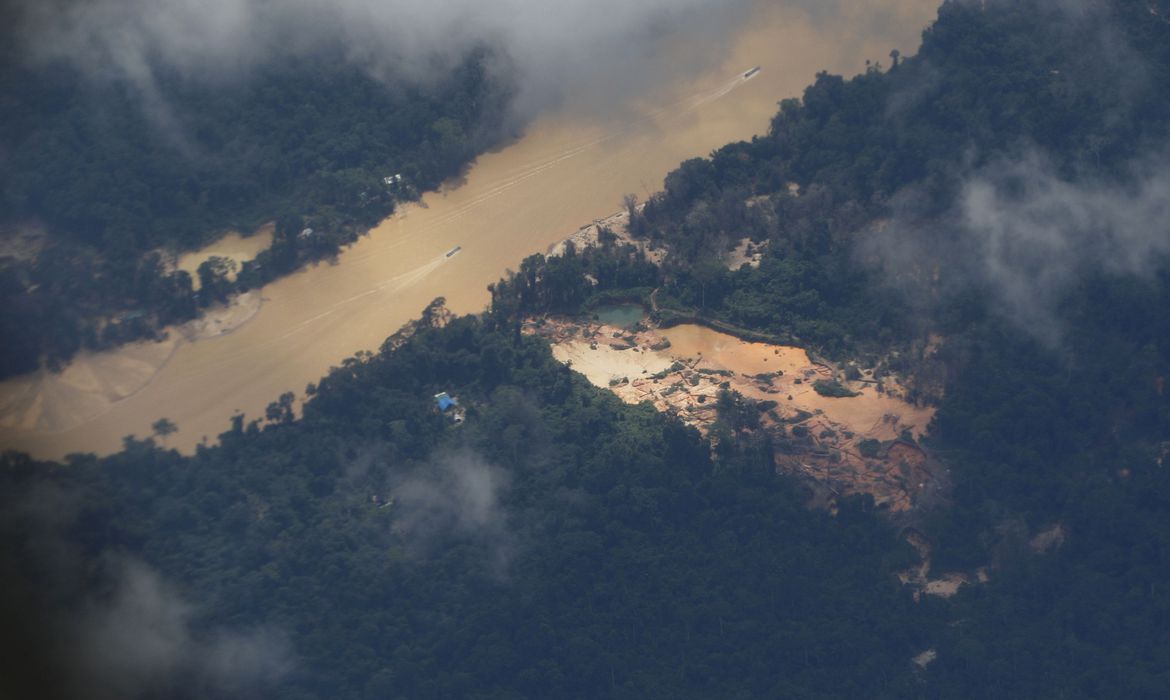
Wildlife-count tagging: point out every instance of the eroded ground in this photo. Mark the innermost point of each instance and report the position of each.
(618, 224)
(865, 443)
(940, 585)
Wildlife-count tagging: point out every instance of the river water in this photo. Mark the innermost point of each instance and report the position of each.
(569, 168)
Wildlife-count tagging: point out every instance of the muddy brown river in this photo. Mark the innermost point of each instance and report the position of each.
(567, 170)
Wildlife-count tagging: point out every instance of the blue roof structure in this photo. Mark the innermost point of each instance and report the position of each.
(444, 401)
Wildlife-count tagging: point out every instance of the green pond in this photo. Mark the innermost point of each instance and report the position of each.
(620, 315)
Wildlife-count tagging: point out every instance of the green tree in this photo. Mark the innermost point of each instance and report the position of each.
(215, 282)
(163, 428)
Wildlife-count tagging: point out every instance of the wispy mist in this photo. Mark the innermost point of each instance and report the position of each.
(455, 496)
(1038, 231)
(587, 48)
(1025, 233)
(1023, 223)
(142, 638)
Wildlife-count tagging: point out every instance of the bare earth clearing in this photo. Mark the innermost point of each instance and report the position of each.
(618, 223)
(681, 371)
(942, 585)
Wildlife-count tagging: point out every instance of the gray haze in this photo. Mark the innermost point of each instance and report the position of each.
(455, 496)
(586, 48)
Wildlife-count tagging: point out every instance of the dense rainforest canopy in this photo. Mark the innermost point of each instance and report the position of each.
(561, 544)
(557, 544)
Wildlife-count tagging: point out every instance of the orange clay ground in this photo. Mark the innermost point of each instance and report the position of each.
(681, 371)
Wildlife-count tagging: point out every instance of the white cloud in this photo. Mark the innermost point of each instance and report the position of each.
(1038, 231)
(555, 46)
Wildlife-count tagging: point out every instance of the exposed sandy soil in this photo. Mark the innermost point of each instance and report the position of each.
(746, 253)
(686, 372)
(941, 586)
(223, 319)
(233, 246)
(601, 363)
(22, 242)
(619, 224)
(725, 351)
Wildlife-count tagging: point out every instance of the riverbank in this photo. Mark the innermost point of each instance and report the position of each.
(233, 246)
(94, 382)
(570, 167)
